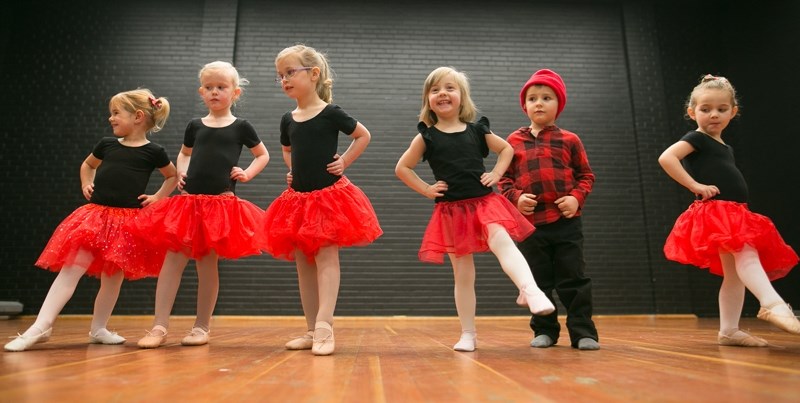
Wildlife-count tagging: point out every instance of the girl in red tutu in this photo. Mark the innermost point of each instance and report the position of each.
(321, 211)
(206, 221)
(93, 239)
(718, 232)
(468, 216)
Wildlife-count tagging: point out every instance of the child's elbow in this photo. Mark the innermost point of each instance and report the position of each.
(663, 159)
(401, 170)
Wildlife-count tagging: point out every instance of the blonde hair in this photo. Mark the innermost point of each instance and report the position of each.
(226, 69)
(467, 111)
(141, 99)
(709, 82)
(310, 57)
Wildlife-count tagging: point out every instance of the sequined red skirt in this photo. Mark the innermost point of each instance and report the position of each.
(101, 231)
(197, 224)
(340, 214)
(708, 227)
(460, 227)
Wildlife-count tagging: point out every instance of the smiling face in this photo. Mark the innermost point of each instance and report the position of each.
(218, 90)
(713, 109)
(122, 121)
(542, 106)
(444, 98)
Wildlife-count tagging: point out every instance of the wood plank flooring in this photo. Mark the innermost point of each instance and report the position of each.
(404, 359)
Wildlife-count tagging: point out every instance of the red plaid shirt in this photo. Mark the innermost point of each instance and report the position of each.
(550, 165)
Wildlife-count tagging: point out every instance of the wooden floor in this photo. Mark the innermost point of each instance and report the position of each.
(398, 359)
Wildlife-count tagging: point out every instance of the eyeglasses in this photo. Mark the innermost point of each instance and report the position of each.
(289, 74)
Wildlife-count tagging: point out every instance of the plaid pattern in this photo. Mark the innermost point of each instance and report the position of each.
(551, 165)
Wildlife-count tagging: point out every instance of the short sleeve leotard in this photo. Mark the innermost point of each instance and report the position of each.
(314, 143)
(215, 150)
(713, 163)
(457, 159)
(123, 175)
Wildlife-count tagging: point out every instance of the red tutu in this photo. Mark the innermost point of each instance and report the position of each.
(460, 227)
(101, 230)
(707, 227)
(340, 214)
(197, 224)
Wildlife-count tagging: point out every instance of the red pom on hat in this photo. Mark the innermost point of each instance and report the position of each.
(551, 79)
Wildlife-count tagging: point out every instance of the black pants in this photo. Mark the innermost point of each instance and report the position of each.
(555, 254)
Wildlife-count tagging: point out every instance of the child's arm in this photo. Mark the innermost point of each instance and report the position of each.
(170, 181)
(184, 157)
(405, 171)
(670, 161)
(504, 155)
(525, 202)
(256, 166)
(361, 138)
(88, 169)
(584, 177)
(287, 159)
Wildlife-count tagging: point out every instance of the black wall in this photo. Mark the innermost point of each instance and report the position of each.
(627, 66)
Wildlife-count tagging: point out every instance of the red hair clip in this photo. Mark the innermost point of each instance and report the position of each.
(154, 102)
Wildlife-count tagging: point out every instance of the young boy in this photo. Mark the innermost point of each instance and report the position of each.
(548, 180)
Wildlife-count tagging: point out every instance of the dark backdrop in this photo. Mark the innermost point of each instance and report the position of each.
(628, 67)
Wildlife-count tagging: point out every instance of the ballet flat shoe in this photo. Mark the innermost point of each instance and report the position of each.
(468, 341)
(535, 300)
(106, 337)
(740, 338)
(301, 343)
(788, 323)
(323, 343)
(153, 340)
(22, 343)
(196, 337)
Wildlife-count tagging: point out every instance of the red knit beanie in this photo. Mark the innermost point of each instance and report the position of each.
(551, 79)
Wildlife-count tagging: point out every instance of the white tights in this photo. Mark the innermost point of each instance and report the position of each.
(319, 284)
(63, 288)
(169, 280)
(511, 260)
(742, 270)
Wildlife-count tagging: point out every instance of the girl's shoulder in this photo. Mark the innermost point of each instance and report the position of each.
(327, 111)
(693, 135)
(334, 111)
(481, 126)
(700, 140)
(422, 128)
(108, 140)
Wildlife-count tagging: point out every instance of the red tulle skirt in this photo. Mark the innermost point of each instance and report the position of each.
(101, 231)
(460, 227)
(197, 224)
(340, 214)
(708, 227)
